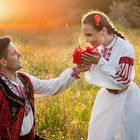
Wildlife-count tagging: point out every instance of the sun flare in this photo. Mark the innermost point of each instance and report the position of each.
(4, 11)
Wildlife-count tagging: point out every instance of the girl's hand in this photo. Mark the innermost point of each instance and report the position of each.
(78, 68)
(89, 59)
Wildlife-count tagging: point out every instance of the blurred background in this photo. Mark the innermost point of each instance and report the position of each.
(46, 33)
(48, 13)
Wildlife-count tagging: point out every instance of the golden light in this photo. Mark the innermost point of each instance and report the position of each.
(4, 11)
(34, 13)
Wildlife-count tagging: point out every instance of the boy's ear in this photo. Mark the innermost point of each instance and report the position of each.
(3, 62)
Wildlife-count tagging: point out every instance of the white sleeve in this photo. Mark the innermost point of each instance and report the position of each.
(105, 75)
(121, 76)
(52, 86)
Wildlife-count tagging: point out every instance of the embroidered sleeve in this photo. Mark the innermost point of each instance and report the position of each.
(121, 75)
(124, 70)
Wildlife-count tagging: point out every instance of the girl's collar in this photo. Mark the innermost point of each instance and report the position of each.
(112, 43)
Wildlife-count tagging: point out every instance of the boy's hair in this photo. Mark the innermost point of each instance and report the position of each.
(4, 43)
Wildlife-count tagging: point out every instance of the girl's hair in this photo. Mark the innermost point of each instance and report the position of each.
(99, 20)
(4, 43)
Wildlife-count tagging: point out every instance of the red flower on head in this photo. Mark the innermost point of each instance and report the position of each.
(78, 52)
(97, 20)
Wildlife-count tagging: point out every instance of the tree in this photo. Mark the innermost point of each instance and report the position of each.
(126, 13)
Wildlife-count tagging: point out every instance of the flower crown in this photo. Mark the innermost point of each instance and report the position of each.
(97, 20)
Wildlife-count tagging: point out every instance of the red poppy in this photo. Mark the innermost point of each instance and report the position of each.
(78, 52)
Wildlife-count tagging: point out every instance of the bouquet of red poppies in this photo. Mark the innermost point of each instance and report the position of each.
(78, 52)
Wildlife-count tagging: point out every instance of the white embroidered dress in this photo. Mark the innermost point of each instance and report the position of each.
(115, 117)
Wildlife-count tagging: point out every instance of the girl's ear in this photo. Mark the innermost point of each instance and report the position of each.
(104, 30)
(3, 62)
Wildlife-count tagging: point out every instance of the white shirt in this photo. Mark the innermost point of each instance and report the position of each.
(113, 73)
(115, 117)
(46, 88)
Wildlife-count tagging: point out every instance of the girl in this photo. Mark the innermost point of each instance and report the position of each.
(115, 115)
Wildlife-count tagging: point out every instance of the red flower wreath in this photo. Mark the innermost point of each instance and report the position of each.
(78, 52)
(97, 20)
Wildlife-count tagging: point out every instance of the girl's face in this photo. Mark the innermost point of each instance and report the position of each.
(94, 37)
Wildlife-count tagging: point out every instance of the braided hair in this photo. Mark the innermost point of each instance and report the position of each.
(99, 20)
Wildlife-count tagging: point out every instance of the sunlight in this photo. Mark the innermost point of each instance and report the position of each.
(4, 11)
(35, 13)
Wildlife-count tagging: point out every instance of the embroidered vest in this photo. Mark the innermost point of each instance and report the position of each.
(12, 108)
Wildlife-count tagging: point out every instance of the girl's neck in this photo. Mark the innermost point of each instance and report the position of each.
(108, 39)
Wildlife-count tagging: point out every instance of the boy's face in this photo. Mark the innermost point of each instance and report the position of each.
(12, 60)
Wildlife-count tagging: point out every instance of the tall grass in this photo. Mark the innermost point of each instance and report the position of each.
(46, 53)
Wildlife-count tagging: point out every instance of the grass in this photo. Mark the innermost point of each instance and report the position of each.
(46, 53)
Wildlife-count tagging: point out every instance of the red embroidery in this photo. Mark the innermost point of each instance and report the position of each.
(107, 53)
(124, 71)
(126, 60)
(19, 91)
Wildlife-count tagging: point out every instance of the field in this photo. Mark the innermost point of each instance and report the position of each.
(46, 53)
